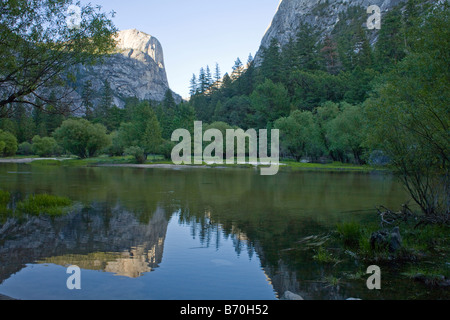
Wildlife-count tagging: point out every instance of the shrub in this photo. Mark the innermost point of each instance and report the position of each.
(323, 256)
(44, 147)
(138, 153)
(8, 144)
(166, 149)
(115, 148)
(25, 149)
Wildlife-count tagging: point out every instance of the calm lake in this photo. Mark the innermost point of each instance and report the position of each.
(194, 233)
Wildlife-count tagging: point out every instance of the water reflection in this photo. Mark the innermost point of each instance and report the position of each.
(130, 222)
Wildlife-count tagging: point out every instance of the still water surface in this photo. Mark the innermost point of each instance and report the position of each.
(196, 234)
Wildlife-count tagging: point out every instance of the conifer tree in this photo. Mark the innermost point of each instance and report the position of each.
(193, 86)
(209, 79)
(217, 76)
(87, 99)
(330, 56)
(238, 69)
(270, 67)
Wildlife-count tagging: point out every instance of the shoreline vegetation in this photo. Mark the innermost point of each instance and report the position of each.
(159, 162)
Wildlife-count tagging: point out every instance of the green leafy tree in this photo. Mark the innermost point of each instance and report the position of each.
(143, 133)
(300, 136)
(25, 149)
(269, 102)
(409, 114)
(323, 115)
(44, 147)
(38, 47)
(82, 138)
(347, 133)
(8, 144)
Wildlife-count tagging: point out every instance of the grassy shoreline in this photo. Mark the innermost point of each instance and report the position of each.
(158, 161)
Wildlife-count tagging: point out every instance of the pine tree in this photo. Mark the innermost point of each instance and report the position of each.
(54, 114)
(217, 77)
(249, 60)
(289, 60)
(363, 50)
(106, 101)
(306, 47)
(238, 69)
(226, 86)
(193, 86)
(270, 67)
(209, 79)
(25, 125)
(202, 83)
(87, 99)
(390, 48)
(39, 119)
(330, 56)
(169, 101)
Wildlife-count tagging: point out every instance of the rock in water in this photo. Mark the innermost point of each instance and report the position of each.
(396, 241)
(385, 240)
(379, 240)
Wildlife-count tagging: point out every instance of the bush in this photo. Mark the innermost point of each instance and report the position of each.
(166, 149)
(44, 147)
(8, 144)
(138, 153)
(25, 149)
(115, 148)
(82, 138)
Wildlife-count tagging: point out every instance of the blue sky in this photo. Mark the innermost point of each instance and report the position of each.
(196, 33)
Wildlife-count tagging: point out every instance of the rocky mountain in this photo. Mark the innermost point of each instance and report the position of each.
(323, 15)
(136, 69)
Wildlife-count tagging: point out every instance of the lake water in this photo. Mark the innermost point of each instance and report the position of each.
(194, 233)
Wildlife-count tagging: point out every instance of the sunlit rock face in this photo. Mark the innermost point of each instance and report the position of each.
(323, 15)
(137, 69)
(103, 238)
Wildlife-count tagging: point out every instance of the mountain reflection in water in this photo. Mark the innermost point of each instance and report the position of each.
(201, 234)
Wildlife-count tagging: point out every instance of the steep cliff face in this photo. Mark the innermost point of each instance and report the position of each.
(323, 15)
(137, 69)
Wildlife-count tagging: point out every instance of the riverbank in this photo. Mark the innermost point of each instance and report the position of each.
(157, 162)
(407, 252)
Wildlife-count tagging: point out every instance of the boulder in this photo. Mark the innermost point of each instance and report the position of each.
(291, 296)
(396, 241)
(382, 240)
